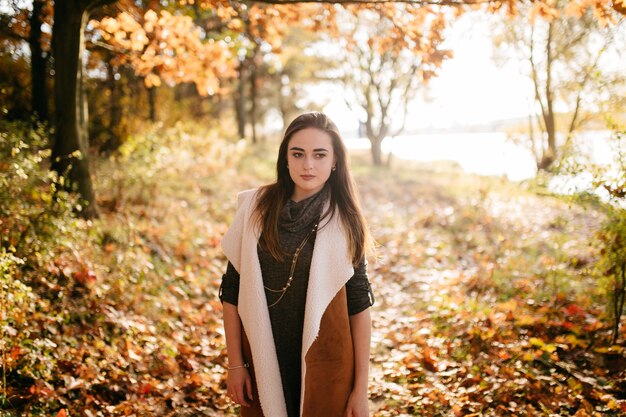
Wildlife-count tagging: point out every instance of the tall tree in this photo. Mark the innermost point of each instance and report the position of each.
(38, 60)
(391, 51)
(70, 153)
(563, 53)
(23, 25)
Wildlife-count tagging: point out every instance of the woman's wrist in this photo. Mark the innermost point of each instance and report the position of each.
(239, 366)
(235, 358)
(360, 387)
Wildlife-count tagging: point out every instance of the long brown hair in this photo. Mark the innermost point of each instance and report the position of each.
(343, 196)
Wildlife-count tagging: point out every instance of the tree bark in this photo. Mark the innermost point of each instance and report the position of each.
(178, 93)
(152, 104)
(197, 104)
(115, 112)
(253, 99)
(70, 156)
(377, 152)
(240, 108)
(282, 103)
(549, 154)
(619, 297)
(39, 97)
(115, 118)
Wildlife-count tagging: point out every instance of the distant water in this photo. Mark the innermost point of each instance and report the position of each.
(492, 153)
(488, 153)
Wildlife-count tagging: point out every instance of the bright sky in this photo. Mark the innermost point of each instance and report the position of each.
(471, 88)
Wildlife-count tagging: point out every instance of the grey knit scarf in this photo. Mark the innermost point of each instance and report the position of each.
(296, 216)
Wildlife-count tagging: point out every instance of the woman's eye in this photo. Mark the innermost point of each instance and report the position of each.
(296, 154)
(320, 155)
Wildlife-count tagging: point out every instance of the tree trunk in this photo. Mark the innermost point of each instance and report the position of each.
(115, 118)
(549, 153)
(70, 156)
(283, 106)
(619, 297)
(115, 112)
(197, 103)
(377, 153)
(178, 93)
(39, 60)
(240, 109)
(152, 104)
(253, 101)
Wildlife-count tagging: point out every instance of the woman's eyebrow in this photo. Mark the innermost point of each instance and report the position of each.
(295, 148)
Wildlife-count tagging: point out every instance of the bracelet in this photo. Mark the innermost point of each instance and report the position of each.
(245, 365)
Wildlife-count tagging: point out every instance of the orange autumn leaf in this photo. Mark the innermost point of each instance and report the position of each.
(85, 276)
(429, 360)
(145, 389)
(574, 310)
(167, 48)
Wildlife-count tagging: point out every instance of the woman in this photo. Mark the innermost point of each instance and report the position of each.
(295, 293)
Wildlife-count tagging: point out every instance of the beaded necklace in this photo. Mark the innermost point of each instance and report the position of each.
(294, 261)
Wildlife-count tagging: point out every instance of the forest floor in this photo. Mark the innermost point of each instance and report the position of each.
(486, 299)
(486, 303)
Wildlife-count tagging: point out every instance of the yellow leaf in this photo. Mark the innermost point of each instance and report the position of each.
(610, 349)
(574, 341)
(152, 80)
(525, 320)
(510, 305)
(150, 16)
(549, 347)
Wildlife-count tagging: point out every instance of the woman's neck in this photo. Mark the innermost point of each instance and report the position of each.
(299, 195)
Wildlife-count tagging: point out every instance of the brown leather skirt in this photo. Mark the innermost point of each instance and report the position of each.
(329, 362)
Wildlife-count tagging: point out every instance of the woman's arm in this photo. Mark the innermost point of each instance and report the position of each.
(238, 382)
(361, 329)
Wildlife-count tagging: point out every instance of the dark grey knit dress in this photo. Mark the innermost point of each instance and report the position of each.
(287, 316)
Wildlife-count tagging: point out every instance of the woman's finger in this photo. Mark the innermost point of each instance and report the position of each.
(242, 398)
(249, 388)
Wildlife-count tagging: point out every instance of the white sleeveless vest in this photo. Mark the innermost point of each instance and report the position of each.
(331, 268)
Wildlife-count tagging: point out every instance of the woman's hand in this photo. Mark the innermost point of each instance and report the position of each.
(238, 382)
(239, 386)
(358, 405)
(360, 327)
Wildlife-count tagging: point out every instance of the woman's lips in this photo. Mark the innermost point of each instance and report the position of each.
(307, 177)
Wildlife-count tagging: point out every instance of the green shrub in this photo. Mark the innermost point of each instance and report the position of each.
(34, 211)
(612, 263)
(35, 221)
(612, 235)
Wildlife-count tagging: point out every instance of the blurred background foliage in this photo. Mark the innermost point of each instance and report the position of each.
(109, 299)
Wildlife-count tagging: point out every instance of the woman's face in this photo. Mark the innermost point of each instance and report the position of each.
(310, 159)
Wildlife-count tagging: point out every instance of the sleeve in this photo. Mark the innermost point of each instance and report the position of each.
(358, 290)
(229, 289)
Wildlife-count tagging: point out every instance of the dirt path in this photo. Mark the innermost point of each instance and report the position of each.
(473, 288)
